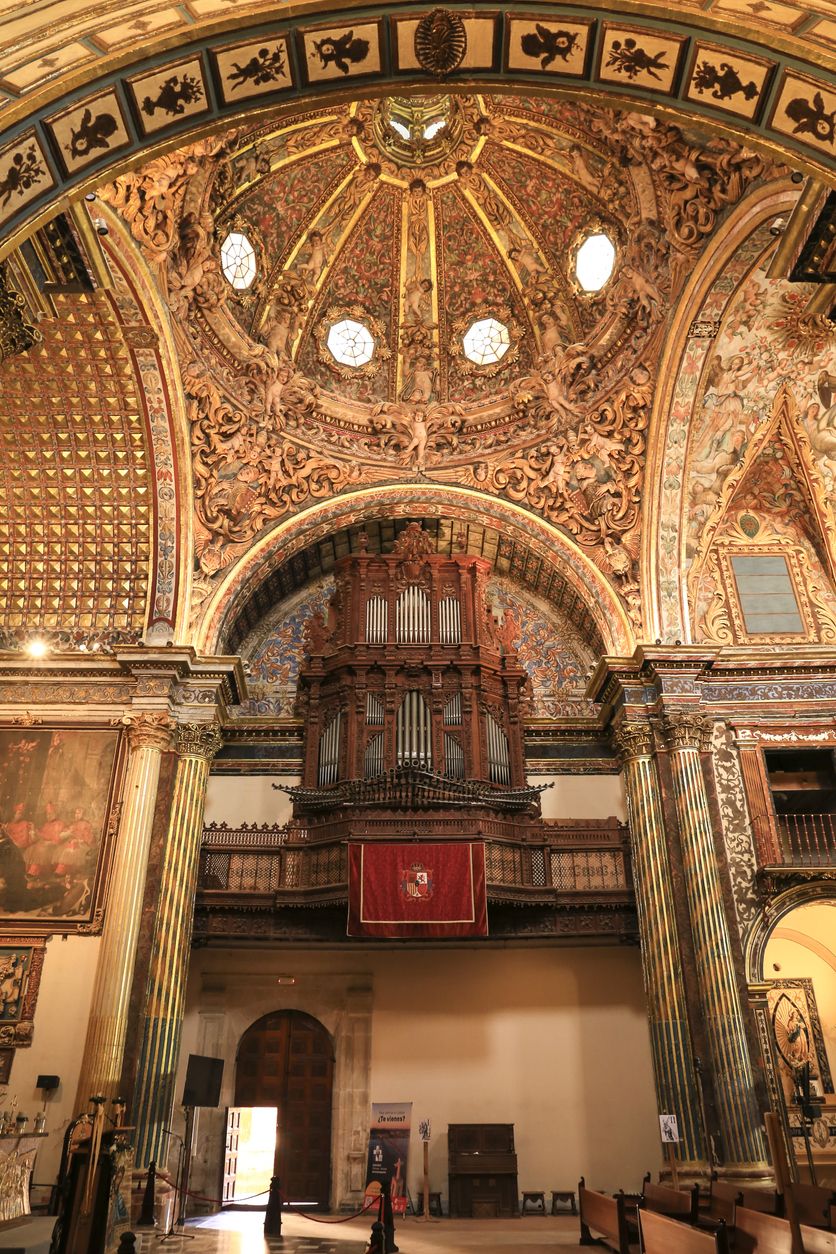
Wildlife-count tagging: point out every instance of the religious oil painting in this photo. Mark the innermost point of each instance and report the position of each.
(55, 793)
(798, 1034)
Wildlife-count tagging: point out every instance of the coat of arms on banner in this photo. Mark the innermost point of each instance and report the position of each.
(417, 882)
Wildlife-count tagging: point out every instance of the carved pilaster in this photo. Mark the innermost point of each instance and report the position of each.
(197, 744)
(686, 729)
(671, 1045)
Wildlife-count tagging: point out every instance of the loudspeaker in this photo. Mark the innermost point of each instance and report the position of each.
(47, 1082)
(203, 1081)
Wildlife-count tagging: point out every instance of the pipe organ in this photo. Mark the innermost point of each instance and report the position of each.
(413, 674)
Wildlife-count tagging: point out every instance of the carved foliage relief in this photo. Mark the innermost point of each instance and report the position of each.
(558, 426)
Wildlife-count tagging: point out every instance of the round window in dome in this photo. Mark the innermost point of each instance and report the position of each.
(238, 260)
(486, 341)
(350, 343)
(594, 262)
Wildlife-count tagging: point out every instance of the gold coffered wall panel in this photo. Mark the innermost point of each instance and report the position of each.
(75, 503)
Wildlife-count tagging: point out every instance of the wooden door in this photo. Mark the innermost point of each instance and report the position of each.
(233, 1127)
(286, 1060)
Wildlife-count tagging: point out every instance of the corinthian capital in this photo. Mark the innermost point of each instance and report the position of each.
(199, 740)
(686, 729)
(633, 740)
(150, 729)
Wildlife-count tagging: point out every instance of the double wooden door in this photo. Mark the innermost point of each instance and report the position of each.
(286, 1060)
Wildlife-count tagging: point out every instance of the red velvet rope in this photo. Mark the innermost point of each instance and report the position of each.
(217, 1201)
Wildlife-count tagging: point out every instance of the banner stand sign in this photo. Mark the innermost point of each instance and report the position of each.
(389, 1151)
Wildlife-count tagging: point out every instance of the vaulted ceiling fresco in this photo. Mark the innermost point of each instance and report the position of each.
(478, 218)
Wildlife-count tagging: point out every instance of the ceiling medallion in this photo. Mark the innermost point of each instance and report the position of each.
(418, 130)
(486, 341)
(440, 42)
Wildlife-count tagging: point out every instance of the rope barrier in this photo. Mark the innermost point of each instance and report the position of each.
(218, 1201)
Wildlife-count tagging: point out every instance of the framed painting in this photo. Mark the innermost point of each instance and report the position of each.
(57, 818)
(21, 964)
(7, 1057)
(798, 1034)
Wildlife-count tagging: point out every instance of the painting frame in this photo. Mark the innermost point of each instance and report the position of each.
(17, 1029)
(85, 915)
(802, 987)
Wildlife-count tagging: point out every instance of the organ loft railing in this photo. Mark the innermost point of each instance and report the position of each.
(298, 863)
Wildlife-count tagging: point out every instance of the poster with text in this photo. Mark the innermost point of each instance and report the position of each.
(389, 1151)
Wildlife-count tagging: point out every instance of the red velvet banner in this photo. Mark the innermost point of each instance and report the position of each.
(414, 890)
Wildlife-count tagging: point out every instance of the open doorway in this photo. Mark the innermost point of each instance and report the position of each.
(286, 1062)
(249, 1156)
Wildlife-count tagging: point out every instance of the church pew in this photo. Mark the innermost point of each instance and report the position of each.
(722, 1200)
(661, 1235)
(813, 1204)
(757, 1233)
(682, 1204)
(817, 1240)
(605, 1216)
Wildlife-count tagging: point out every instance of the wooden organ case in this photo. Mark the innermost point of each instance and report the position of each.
(412, 697)
(482, 1170)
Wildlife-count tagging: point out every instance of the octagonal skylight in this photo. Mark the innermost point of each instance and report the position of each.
(594, 261)
(350, 343)
(486, 341)
(238, 260)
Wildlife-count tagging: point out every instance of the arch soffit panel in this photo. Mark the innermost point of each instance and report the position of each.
(121, 102)
(400, 501)
(147, 331)
(699, 312)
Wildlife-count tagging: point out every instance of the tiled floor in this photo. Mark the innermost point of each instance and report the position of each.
(242, 1232)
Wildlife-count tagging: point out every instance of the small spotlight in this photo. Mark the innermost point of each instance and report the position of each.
(796, 177)
(37, 648)
(778, 227)
(90, 196)
(286, 979)
(101, 226)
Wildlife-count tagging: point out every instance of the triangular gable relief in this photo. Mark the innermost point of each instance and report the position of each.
(774, 500)
(782, 434)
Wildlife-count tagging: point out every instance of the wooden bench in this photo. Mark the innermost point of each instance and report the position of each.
(661, 1235)
(817, 1240)
(722, 1200)
(605, 1216)
(813, 1204)
(757, 1233)
(681, 1204)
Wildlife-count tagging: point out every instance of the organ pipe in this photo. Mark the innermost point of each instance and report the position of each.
(413, 741)
(373, 758)
(453, 710)
(376, 620)
(374, 709)
(453, 757)
(412, 616)
(498, 761)
(449, 621)
(329, 752)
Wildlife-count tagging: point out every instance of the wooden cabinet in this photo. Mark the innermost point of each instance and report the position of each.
(482, 1170)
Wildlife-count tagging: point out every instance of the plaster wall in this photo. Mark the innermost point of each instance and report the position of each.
(553, 1040)
(582, 796)
(235, 799)
(60, 1028)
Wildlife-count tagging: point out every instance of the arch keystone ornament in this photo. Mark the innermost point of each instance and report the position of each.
(440, 42)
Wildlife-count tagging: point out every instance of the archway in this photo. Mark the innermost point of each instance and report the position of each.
(285, 1060)
(798, 960)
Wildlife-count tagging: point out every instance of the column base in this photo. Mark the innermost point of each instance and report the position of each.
(694, 1172)
(755, 1174)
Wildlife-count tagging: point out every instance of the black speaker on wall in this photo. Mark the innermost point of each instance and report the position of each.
(203, 1081)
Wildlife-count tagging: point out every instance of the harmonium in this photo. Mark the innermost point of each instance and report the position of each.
(482, 1170)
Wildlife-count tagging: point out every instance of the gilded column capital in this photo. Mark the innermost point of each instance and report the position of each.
(686, 729)
(633, 740)
(198, 740)
(150, 729)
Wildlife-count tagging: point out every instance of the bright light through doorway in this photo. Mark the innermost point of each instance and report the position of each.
(256, 1150)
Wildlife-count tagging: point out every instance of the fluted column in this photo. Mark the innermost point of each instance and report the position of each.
(687, 734)
(161, 1026)
(670, 1037)
(149, 734)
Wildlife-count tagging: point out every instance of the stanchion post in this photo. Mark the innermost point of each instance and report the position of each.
(377, 1242)
(389, 1218)
(127, 1243)
(273, 1213)
(146, 1214)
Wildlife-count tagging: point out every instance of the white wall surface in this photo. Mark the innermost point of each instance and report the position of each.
(553, 1040)
(582, 796)
(236, 799)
